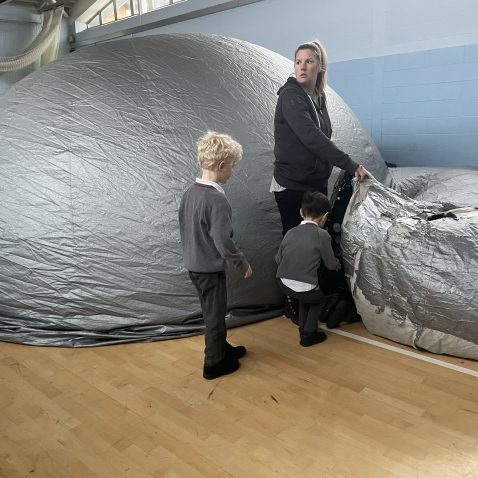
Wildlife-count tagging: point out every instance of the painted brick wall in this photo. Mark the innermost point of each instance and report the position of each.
(421, 108)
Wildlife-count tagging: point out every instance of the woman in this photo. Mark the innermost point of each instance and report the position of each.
(304, 153)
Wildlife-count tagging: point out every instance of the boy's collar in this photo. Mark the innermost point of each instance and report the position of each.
(306, 221)
(206, 182)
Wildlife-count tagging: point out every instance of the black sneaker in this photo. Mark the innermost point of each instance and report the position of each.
(226, 366)
(342, 313)
(306, 340)
(354, 317)
(235, 351)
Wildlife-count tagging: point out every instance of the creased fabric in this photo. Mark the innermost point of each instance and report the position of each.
(96, 151)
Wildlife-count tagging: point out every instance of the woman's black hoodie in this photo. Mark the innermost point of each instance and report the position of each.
(304, 153)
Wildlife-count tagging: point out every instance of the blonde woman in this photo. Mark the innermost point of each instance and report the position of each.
(304, 153)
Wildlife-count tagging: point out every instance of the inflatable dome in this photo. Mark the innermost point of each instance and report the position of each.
(412, 258)
(96, 150)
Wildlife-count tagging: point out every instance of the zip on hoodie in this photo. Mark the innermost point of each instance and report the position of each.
(315, 110)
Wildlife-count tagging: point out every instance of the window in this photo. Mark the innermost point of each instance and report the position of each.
(94, 21)
(124, 8)
(108, 14)
(119, 9)
(148, 5)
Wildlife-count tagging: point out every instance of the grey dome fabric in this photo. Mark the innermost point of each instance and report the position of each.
(96, 150)
(413, 263)
(453, 187)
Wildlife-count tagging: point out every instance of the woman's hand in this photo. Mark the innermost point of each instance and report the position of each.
(248, 272)
(360, 174)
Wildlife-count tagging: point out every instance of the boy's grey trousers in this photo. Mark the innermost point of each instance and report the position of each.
(212, 292)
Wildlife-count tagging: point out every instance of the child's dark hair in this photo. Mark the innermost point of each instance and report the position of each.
(314, 204)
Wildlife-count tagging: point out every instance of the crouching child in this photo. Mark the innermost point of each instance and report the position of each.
(304, 249)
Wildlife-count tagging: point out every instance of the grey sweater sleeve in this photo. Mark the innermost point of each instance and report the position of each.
(296, 113)
(328, 257)
(221, 232)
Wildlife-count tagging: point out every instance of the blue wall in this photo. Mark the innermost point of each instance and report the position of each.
(421, 108)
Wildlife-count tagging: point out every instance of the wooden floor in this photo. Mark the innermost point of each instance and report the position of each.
(338, 409)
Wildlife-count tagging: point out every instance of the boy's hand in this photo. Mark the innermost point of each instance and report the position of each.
(248, 272)
(360, 174)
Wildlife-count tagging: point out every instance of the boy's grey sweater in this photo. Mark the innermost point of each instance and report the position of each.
(205, 224)
(301, 252)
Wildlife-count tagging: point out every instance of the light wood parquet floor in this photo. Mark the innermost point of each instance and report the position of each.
(338, 409)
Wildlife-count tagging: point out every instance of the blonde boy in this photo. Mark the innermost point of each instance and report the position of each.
(205, 223)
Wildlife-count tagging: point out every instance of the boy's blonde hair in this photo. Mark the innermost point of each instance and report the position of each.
(216, 147)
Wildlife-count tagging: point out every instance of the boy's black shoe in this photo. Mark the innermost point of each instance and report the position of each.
(355, 317)
(227, 365)
(235, 351)
(306, 340)
(342, 313)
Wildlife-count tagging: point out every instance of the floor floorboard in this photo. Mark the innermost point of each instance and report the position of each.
(339, 409)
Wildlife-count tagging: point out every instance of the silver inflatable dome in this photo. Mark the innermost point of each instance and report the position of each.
(412, 258)
(95, 152)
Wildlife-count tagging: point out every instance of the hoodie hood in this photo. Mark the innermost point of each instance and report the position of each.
(291, 81)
